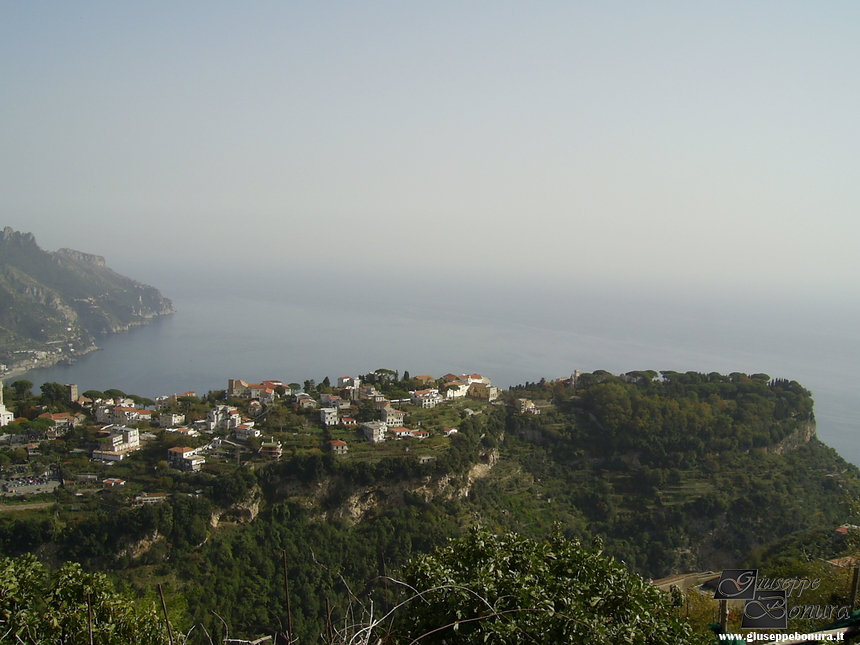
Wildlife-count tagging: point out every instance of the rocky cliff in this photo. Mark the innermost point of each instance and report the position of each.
(53, 306)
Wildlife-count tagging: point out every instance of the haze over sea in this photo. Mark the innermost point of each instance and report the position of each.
(519, 189)
(310, 329)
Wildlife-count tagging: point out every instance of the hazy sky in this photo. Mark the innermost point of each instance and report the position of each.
(671, 143)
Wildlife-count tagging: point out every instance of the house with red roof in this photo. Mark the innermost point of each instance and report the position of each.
(392, 417)
(338, 447)
(426, 398)
(185, 458)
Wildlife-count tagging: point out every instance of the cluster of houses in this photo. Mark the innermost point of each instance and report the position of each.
(118, 439)
(473, 386)
(334, 409)
(337, 409)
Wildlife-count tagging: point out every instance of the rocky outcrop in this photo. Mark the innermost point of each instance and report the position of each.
(142, 546)
(86, 258)
(11, 236)
(244, 512)
(803, 435)
(365, 501)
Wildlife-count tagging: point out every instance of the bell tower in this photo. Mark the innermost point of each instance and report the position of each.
(6, 417)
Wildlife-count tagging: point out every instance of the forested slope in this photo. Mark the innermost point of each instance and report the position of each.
(672, 472)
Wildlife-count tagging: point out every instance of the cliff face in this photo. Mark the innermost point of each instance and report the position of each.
(54, 305)
(86, 258)
(803, 435)
(337, 499)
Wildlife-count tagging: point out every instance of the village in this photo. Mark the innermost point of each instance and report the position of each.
(90, 446)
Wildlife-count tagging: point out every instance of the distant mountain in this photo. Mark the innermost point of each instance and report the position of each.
(54, 305)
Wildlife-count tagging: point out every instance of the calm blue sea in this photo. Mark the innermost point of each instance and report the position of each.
(517, 334)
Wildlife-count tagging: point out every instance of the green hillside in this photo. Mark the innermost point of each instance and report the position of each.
(669, 473)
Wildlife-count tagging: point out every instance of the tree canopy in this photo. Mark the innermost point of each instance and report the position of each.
(64, 608)
(509, 589)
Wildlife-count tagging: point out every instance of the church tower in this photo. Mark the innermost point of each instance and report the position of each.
(6, 417)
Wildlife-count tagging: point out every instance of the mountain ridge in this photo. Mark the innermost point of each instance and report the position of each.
(53, 305)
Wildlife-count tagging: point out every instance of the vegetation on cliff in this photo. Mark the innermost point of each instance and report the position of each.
(54, 304)
(670, 472)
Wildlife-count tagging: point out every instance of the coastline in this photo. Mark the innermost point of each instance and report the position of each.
(35, 362)
(49, 361)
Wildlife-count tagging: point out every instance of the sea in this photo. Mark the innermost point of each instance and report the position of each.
(281, 327)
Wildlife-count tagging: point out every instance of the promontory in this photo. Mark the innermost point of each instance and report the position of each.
(54, 305)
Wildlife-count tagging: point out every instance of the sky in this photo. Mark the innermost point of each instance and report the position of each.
(659, 145)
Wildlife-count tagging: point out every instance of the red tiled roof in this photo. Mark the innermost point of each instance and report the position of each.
(56, 416)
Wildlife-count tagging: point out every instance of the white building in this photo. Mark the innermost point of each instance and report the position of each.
(185, 459)
(328, 416)
(348, 381)
(338, 447)
(6, 417)
(456, 389)
(392, 417)
(527, 406)
(247, 431)
(426, 398)
(374, 431)
(223, 417)
(169, 419)
(400, 433)
(121, 414)
(184, 432)
(118, 444)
